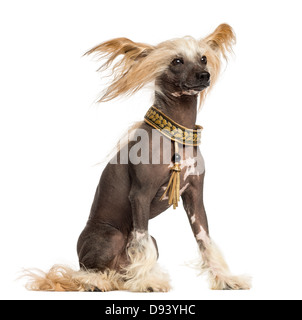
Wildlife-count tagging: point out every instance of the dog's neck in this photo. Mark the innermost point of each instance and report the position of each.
(182, 110)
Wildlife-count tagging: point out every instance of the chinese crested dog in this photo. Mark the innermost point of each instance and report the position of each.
(159, 164)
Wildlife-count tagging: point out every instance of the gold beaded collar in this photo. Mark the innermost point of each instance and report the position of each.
(172, 129)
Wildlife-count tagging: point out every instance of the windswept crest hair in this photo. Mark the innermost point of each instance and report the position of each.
(134, 65)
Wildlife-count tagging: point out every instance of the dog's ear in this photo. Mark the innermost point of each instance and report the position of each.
(132, 51)
(222, 39)
(129, 64)
(220, 42)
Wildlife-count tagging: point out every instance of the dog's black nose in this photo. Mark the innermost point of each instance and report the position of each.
(204, 76)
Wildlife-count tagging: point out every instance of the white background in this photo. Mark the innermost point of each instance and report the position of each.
(52, 135)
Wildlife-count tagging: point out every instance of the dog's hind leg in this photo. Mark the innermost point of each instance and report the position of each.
(212, 262)
(102, 254)
(102, 250)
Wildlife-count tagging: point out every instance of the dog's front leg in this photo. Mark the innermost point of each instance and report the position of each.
(143, 273)
(212, 261)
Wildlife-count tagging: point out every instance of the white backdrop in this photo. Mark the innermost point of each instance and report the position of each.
(52, 135)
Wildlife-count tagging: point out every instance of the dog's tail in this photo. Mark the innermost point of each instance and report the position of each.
(62, 278)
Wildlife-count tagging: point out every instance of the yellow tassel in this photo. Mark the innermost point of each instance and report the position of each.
(174, 183)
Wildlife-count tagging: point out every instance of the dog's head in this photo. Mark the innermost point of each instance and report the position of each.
(183, 66)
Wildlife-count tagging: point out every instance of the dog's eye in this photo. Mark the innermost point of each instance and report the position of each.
(177, 61)
(204, 60)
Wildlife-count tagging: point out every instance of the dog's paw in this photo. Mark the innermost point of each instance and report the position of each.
(229, 282)
(160, 286)
(155, 280)
(152, 284)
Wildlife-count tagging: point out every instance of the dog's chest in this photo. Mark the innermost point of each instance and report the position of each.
(190, 167)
